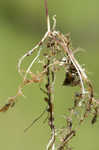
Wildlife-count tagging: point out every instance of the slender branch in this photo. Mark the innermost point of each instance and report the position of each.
(49, 100)
(66, 139)
(31, 51)
(33, 61)
(34, 121)
(46, 7)
(47, 16)
(75, 63)
(48, 86)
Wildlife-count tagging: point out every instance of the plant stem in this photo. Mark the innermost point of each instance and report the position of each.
(47, 16)
(46, 7)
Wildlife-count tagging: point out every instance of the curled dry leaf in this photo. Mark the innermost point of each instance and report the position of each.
(11, 103)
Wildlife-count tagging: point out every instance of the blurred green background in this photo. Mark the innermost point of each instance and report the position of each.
(22, 25)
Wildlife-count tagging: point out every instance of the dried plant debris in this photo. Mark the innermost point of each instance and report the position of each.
(59, 54)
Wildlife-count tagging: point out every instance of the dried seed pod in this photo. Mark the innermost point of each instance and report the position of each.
(5, 107)
(94, 119)
(69, 123)
(11, 103)
(71, 76)
(71, 79)
(78, 97)
(26, 81)
(46, 99)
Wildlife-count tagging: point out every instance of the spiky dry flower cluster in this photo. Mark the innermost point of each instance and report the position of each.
(58, 54)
